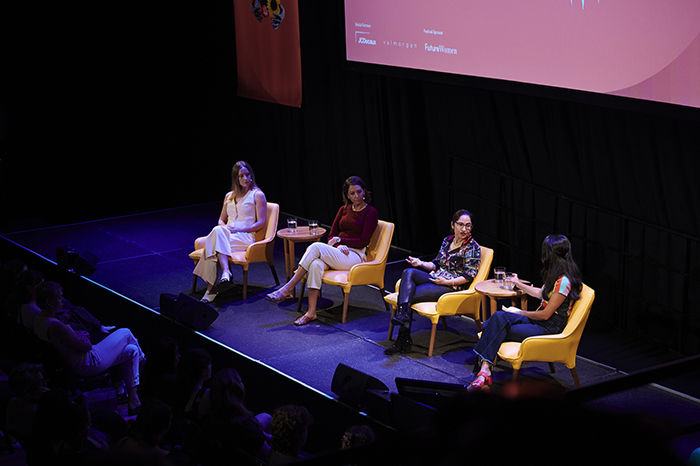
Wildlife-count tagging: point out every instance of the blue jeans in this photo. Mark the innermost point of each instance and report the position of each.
(506, 326)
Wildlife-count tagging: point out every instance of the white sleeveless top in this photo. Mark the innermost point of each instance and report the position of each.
(241, 214)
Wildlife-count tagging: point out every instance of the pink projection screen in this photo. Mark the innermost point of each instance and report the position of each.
(645, 49)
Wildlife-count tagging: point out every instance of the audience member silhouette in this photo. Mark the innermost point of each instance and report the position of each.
(28, 384)
(75, 350)
(289, 428)
(158, 377)
(193, 370)
(78, 318)
(145, 434)
(238, 432)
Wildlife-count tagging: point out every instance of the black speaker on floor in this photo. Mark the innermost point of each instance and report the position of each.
(435, 394)
(85, 264)
(82, 263)
(187, 310)
(355, 387)
(65, 257)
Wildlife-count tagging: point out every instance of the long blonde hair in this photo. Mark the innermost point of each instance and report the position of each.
(235, 185)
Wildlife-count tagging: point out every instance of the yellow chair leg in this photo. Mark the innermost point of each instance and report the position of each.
(574, 374)
(245, 284)
(432, 339)
(515, 375)
(346, 298)
(391, 322)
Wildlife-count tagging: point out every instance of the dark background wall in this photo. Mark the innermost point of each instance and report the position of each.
(121, 108)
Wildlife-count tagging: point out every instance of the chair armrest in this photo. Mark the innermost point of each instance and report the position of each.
(465, 302)
(375, 269)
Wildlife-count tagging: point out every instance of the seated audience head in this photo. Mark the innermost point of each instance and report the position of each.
(357, 435)
(151, 424)
(164, 356)
(227, 396)
(289, 428)
(27, 283)
(9, 271)
(49, 296)
(27, 382)
(194, 366)
(355, 181)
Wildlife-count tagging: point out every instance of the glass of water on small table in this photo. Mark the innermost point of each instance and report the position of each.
(499, 273)
(313, 226)
(292, 225)
(508, 283)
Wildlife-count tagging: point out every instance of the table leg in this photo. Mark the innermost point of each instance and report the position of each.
(485, 309)
(523, 302)
(287, 262)
(494, 306)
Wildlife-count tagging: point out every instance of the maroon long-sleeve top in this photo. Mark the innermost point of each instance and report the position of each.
(354, 229)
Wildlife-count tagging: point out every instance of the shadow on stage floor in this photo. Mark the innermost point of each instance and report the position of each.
(142, 256)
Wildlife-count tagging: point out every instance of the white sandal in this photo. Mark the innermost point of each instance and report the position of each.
(208, 297)
(225, 277)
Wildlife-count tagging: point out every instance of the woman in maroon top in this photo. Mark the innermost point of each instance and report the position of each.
(350, 234)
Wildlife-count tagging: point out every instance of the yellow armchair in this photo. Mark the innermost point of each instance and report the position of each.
(466, 302)
(366, 273)
(553, 348)
(260, 251)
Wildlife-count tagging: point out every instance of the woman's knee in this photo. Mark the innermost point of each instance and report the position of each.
(315, 273)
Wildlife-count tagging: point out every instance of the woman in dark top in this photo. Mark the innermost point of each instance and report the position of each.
(350, 234)
(562, 287)
(454, 268)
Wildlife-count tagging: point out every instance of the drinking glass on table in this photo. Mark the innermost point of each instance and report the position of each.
(508, 283)
(292, 225)
(499, 273)
(313, 226)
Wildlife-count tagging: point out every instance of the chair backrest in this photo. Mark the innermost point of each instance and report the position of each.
(273, 213)
(484, 267)
(378, 248)
(579, 313)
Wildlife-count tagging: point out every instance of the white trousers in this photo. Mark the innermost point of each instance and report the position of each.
(319, 257)
(220, 241)
(119, 348)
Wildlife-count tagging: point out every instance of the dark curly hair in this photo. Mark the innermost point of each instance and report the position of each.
(289, 428)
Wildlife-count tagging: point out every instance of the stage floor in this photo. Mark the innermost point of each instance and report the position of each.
(142, 256)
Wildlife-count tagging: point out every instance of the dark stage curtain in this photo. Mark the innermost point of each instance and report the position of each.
(151, 121)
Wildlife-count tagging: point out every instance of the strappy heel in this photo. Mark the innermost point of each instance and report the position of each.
(481, 385)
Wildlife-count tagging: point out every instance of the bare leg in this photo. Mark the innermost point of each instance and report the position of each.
(223, 261)
(313, 299)
(285, 290)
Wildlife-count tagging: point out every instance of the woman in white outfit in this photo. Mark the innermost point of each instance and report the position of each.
(74, 347)
(244, 212)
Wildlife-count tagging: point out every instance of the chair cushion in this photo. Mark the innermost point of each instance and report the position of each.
(336, 277)
(427, 309)
(392, 298)
(509, 350)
